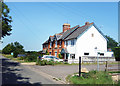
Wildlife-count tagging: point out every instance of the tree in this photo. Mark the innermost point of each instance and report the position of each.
(111, 43)
(15, 47)
(117, 53)
(6, 20)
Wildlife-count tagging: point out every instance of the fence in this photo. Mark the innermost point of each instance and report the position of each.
(94, 59)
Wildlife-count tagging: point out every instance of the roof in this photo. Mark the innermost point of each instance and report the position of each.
(73, 33)
(65, 34)
(78, 31)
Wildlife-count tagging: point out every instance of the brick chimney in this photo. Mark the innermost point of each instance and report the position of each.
(66, 27)
(86, 23)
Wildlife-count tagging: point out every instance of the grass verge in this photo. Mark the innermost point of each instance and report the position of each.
(93, 77)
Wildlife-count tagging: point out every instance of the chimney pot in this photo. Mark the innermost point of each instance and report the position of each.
(86, 23)
(66, 27)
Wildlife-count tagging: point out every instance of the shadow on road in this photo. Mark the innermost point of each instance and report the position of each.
(10, 75)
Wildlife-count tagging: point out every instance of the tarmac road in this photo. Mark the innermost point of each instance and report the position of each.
(14, 73)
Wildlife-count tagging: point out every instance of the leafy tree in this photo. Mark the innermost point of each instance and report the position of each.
(15, 47)
(6, 20)
(111, 43)
(7, 49)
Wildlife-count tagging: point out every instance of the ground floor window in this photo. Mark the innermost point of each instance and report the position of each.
(56, 54)
(101, 54)
(86, 53)
(72, 56)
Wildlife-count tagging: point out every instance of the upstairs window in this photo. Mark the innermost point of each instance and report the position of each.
(50, 44)
(92, 35)
(60, 43)
(55, 43)
(66, 43)
(72, 42)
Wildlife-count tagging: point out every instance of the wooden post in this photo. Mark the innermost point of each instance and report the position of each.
(106, 65)
(79, 66)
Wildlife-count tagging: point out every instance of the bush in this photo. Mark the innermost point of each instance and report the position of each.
(30, 58)
(117, 53)
(20, 58)
(60, 56)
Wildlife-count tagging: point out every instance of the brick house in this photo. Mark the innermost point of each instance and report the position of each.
(78, 41)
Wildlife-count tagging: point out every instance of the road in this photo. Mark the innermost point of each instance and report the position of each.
(62, 71)
(14, 73)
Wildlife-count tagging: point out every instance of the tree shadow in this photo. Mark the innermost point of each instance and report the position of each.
(10, 75)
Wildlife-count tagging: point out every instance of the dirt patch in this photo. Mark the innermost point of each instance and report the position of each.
(31, 63)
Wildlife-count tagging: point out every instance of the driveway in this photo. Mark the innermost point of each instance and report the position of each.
(61, 71)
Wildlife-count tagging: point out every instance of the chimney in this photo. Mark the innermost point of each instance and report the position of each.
(66, 27)
(86, 23)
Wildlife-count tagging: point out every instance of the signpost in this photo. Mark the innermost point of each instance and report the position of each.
(79, 66)
(98, 61)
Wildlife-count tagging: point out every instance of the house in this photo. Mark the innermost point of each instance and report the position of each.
(85, 41)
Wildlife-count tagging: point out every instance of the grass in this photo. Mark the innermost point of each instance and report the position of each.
(15, 59)
(93, 77)
(114, 71)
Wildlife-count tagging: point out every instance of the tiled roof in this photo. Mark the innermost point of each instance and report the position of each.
(71, 33)
(78, 31)
(68, 32)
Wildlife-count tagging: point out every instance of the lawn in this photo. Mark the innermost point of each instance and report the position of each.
(93, 77)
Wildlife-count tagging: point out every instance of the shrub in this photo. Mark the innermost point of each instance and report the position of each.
(117, 53)
(20, 58)
(30, 58)
(60, 56)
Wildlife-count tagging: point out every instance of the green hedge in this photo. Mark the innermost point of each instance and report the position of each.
(117, 53)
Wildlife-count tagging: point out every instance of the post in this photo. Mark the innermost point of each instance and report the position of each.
(106, 66)
(97, 61)
(79, 66)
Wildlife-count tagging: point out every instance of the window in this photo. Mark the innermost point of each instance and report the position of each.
(92, 35)
(72, 42)
(66, 43)
(56, 54)
(86, 53)
(50, 44)
(55, 43)
(72, 56)
(60, 43)
(101, 54)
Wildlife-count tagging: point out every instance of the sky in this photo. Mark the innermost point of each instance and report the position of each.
(34, 22)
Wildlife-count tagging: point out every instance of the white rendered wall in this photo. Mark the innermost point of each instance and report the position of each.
(71, 48)
(87, 43)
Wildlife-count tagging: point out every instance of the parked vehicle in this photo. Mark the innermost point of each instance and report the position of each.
(50, 57)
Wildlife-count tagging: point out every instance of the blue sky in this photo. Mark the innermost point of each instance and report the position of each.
(34, 22)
